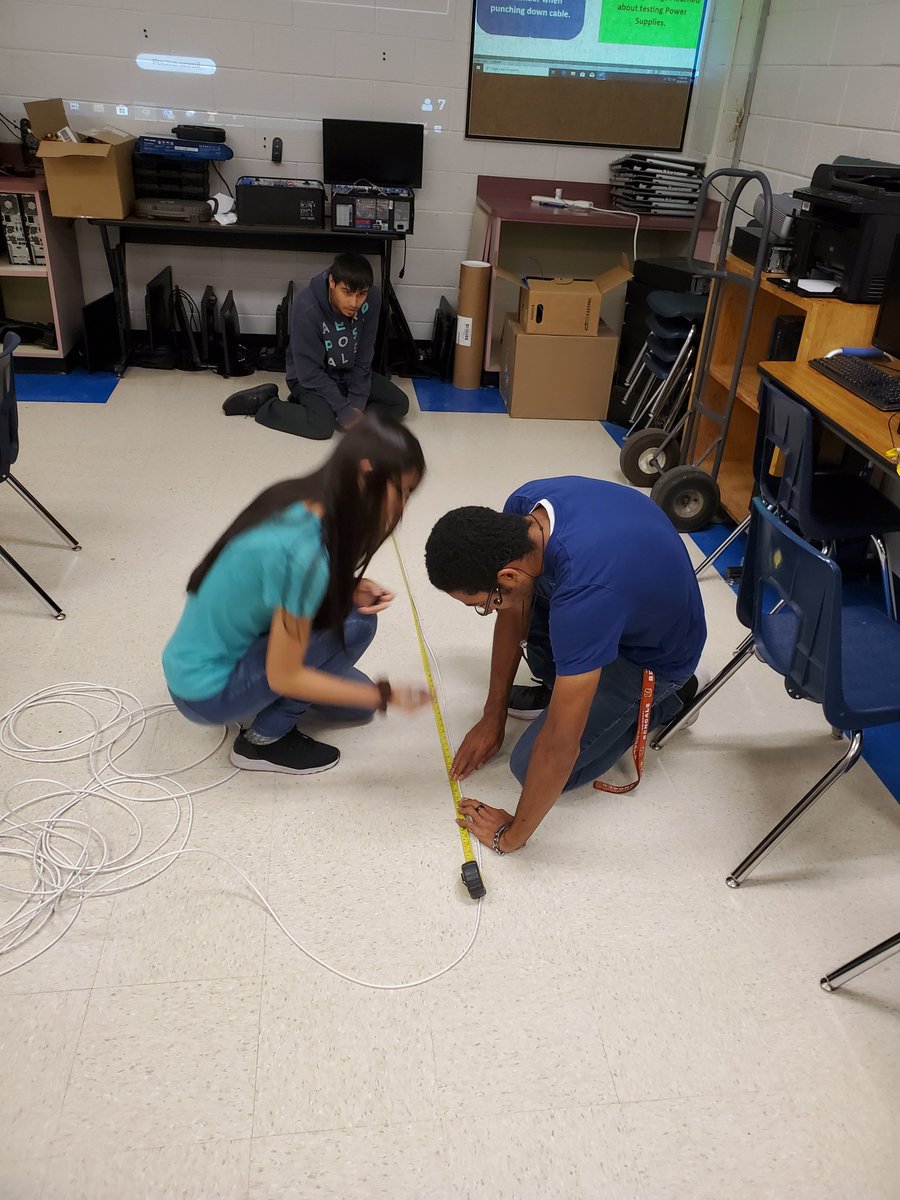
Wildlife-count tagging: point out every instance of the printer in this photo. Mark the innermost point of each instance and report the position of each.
(848, 223)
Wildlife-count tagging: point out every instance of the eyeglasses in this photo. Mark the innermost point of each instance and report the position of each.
(490, 605)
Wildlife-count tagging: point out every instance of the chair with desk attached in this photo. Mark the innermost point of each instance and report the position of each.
(9, 450)
(827, 506)
(845, 658)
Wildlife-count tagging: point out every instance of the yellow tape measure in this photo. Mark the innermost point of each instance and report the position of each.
(471, 875)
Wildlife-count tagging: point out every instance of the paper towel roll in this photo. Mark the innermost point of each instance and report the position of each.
(474, 289)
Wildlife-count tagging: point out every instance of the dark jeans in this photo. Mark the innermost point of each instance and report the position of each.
(612, 721)
(247, 693)
(308, 414)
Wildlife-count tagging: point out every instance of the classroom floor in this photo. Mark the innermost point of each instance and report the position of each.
(624, 1025)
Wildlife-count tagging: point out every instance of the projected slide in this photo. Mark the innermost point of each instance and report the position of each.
(605, 72)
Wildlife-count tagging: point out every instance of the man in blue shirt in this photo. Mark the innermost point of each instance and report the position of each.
(592, 583)
(331, 344)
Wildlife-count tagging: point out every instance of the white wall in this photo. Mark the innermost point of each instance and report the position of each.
(281, 66)
(828, 84)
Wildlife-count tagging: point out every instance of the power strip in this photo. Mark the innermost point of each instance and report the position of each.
(559, 202)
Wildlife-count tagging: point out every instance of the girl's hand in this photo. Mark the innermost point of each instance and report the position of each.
(409, 697)
(371, 597)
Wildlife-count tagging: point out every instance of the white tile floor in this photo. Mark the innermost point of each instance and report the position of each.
(625, 1026)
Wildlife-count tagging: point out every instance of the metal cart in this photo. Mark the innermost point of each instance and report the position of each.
(689, 494)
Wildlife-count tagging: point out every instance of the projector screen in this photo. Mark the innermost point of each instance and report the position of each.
(584, 72)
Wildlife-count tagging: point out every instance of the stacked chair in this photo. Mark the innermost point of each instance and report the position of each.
(658, 387)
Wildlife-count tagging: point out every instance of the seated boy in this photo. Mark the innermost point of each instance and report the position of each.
(334, 322)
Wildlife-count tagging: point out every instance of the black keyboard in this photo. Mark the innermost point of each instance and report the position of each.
(859, 376)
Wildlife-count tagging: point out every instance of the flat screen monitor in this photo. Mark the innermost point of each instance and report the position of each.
(209, 308)
(102, 345)
(388, 153)
(887, 328)
(159, 310)
(234, 356)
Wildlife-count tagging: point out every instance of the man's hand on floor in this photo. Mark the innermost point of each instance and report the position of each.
(479, 745)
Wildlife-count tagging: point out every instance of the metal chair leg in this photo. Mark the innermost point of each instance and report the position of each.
(39, 508)
(741, 655)
(887, 575)
(862, 962)
(832, 775)
(733, 536)
(33, 584)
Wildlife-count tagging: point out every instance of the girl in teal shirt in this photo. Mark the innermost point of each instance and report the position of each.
(279, 611)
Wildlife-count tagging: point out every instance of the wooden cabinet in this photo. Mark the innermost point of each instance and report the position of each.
(51, 293)
(827, 324)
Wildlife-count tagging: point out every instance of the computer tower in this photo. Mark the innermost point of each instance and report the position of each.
(14, 229)
(32, 223)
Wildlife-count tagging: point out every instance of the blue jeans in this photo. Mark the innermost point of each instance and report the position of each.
(612, 721)
(247, 691)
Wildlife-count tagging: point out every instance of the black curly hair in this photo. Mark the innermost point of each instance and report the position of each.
(468, 546)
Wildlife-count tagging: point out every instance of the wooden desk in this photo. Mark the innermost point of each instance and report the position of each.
(827, 324)
(244, 237)
(852, 419)
(503, 204)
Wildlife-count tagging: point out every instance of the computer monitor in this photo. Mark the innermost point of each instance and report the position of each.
(159, 311)
(102, 346)
(234, 356)
(887, 328)
(388, 153)
(209, 338)
(186, 337)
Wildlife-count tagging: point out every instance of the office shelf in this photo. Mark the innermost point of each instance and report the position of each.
(50, 294)
(827, 324)
(8, 269)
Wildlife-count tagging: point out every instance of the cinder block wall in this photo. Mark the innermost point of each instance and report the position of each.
(281, 65)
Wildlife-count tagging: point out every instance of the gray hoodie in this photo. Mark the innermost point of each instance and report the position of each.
(330, 354)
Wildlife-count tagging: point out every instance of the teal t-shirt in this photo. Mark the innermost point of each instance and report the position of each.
(280, 563)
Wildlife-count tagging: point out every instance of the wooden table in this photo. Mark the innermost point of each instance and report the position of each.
(870, 430)
(503, 202)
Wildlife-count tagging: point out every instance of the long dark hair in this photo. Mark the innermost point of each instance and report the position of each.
(353, 523)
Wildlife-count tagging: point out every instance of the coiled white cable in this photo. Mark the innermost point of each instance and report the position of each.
(71, 858)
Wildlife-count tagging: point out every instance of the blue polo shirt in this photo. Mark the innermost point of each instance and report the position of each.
(619, 577)
(280, 563)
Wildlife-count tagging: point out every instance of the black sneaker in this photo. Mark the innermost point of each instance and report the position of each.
(248, 402)
(526, 703)
(294, 754)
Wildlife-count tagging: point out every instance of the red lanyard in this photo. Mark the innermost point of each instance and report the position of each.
(648, 683)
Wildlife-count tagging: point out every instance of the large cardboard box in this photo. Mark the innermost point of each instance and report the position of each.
(565, 305)
(563, 377)
(84, 178)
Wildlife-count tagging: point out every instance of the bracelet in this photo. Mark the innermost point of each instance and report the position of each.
(385, 695)
(498, 834)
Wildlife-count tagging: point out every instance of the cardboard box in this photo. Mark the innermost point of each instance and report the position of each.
(564, 305)
(561, 377)
(84, 178)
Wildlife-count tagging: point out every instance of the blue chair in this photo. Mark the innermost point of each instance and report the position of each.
(9, 452)
(871, 958)
(845, 658)
(827, 506)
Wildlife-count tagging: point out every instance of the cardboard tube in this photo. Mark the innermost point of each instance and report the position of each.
(474, 288)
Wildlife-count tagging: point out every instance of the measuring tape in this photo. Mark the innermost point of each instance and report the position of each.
(471, 875)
